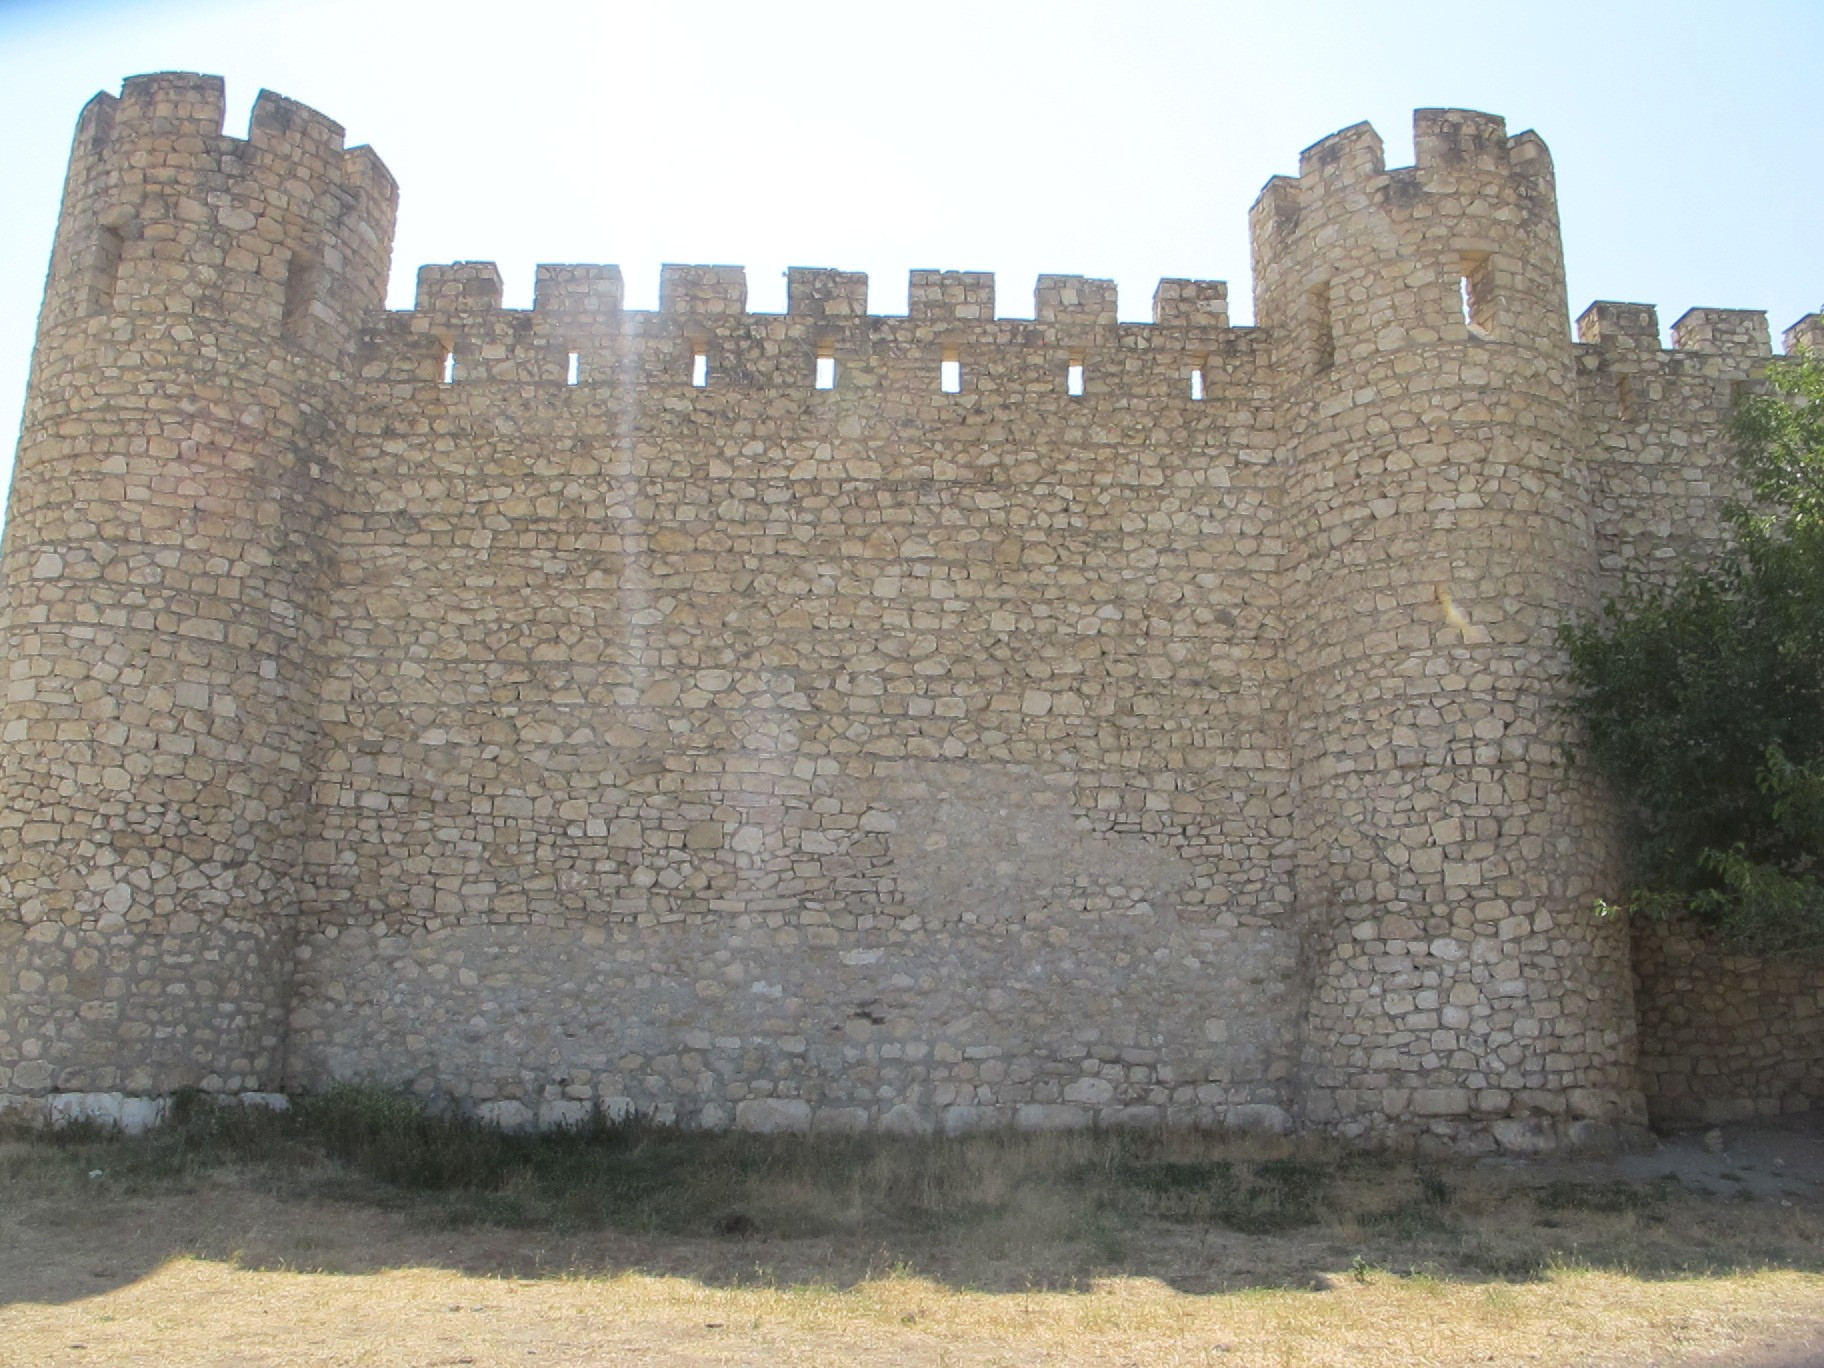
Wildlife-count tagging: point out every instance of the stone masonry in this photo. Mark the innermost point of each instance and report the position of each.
(831, 721)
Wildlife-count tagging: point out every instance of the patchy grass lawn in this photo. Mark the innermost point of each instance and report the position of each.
(359, 1230)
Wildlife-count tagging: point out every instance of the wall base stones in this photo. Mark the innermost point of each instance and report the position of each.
(113, 1111)
(1515, 1137)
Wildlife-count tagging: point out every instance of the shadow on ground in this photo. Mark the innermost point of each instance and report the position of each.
(1007, 1213)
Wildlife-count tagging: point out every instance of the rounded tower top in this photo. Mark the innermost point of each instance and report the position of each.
(1353, 261)
(284, 232)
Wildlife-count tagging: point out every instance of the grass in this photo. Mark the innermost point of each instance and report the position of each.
(380, 1148)
(1133, 1232)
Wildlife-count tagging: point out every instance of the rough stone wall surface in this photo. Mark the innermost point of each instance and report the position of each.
(891, 752)
(160, 569)
(1438, 529)
(825, 720)
(1726, 1038)
(1662, 469)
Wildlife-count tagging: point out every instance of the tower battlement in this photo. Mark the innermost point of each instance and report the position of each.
(1448, 144)
(828, 719)
(179, 106)
(283, 230)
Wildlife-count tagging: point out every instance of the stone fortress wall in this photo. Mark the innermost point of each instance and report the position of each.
(576, 706)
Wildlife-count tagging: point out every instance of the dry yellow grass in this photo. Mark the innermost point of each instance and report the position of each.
(194, 1311)
(102, 1285)
(253, 1248)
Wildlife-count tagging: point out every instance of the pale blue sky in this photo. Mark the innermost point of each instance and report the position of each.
(1107, 139)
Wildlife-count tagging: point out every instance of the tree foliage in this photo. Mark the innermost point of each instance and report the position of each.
(1703, 701)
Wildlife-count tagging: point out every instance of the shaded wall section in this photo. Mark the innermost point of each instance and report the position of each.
(1725, 1037)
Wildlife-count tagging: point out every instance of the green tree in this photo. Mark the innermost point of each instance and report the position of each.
(1703, 701)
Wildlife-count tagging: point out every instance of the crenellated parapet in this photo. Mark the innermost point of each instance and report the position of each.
(1198, 302)
(458, 333)
(1618, 328)
(1619, 347)
(1806, 335)
(1655, 418)
(1738, 333)
(833, 297)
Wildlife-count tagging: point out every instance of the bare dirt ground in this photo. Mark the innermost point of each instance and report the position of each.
(1682, 1256)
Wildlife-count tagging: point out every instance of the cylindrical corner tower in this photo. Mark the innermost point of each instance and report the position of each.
(1438, 530)
(161, 569)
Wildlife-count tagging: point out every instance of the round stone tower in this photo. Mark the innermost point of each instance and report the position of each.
(161, 574)
(1463, 986)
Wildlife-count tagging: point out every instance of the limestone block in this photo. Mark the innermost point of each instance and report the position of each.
(1094, 1092)
(1262, 1117)
(1592, 1103)
(967, 1120)
(1441, 1101)
(906, 1119)
(1050, 1116)
(840, 1121)
(508, 1115)
(712, 1116)
(94, 1108)
(19, 1106)
(1525, 1135)
(562, 1113)
(32, 1076)
(141, 1114)
(772, 1115)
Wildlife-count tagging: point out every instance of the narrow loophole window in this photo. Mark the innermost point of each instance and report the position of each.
(1197, 384)
(1073, 380)
(1323, 329)
(950, 374)
(826, 372)
(300, 295)
(1624, 398)
(573, 371)
(104, 269)
(449, 366)
(1478, 295)
(699, 365)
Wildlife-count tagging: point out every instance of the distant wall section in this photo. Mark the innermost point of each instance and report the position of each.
(1722, 1037)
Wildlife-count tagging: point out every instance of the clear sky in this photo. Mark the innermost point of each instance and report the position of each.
(1122, 139)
